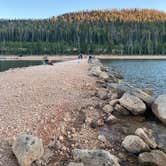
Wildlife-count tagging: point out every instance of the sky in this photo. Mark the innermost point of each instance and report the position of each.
(17, 9)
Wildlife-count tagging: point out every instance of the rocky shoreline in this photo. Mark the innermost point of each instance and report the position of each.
(126, 100)
(123, 126)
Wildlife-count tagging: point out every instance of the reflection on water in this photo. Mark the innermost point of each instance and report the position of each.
(149, 74)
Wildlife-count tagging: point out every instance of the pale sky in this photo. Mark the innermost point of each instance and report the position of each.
(48, 8)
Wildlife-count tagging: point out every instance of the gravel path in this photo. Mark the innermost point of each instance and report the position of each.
(35, 99)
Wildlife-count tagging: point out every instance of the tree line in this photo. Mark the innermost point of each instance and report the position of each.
(129, 32)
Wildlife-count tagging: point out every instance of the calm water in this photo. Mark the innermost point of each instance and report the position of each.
(6, 65)
(142, 73)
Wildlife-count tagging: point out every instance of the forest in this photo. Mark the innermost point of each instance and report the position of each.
(119, 32)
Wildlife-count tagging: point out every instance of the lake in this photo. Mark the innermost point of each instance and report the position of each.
(11, 64)
(143, 74)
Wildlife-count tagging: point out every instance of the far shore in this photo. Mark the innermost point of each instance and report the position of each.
(72, 57)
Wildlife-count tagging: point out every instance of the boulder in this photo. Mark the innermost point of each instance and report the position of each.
(121, 110)
(108, 108)
(96, 62)
(104, 76)
(95, 157)
(114, 88)
(159, 108)
(147, 137)
(134, 144)
(155, 157)
(27, 149)
(142, 95)
(133, 104)
(125, 87)
(102, 93)
(114, 102)
(95, 71)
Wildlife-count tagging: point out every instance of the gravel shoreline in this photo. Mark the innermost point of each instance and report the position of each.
(34, 99)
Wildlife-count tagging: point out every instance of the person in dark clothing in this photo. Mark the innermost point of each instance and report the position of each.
(90, 59)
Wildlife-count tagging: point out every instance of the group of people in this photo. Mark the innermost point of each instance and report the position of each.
(80, 56)
(90, 57)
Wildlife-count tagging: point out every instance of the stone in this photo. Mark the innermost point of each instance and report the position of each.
(95, 157)
(102, 93)
(118, 75)
(125, 87)
(95, 70)
(134, 144)
(121, 110)
(148, 91)
(142, 95)
(75, 164)
(133, 104)
(103, 68)
(104, 76)
(111, 119)
(146, 136)
(155, 157)
(108, 108)
(100, 122)
(102, 138)
(114, 102)
(27, 149)
(114, 96)
(159, 108)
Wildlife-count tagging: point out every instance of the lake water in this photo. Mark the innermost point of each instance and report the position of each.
(11, 64)
(149, 74)
(6, 65)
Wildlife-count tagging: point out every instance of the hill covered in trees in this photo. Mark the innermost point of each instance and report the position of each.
(134, 31)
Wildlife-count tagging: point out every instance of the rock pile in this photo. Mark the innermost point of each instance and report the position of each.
(120, 98)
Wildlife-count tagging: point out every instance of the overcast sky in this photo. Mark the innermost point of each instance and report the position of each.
(48, 8)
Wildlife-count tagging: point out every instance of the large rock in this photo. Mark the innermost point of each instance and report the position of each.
(102, 93)
(121, 110)
(125, 87)
(134, 144)
(95, 70)
(147, 137)
(154, 158)
(95, 157)
(159, 108)
(27, 149)
(104, 76)
(133, 104)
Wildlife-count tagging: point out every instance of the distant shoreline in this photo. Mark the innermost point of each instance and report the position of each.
(72, 57)
(142, 57)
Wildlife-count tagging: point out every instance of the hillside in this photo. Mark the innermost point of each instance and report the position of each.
(128, 31)
(125, 15)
